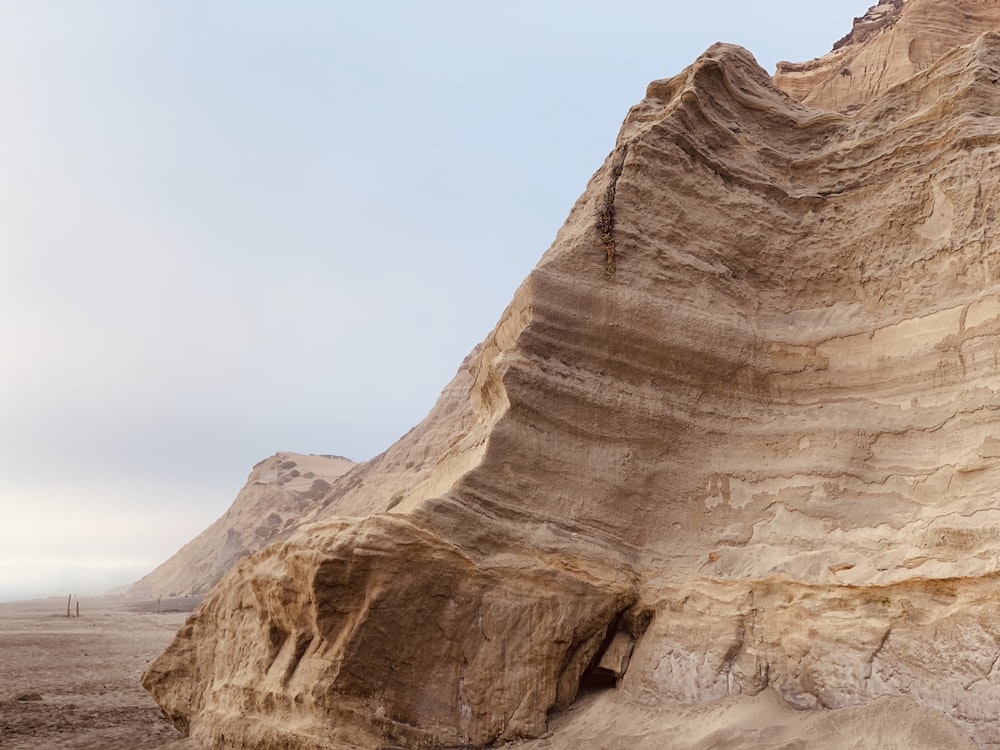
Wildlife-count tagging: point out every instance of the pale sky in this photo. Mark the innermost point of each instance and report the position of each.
(238, 227)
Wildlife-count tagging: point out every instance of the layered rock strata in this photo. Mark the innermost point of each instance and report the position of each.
(289, 490)
(279, 490)
(758, 452)
(891, 42)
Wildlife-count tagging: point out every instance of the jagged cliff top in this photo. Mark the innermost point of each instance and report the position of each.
(878, 18)
(890, 43)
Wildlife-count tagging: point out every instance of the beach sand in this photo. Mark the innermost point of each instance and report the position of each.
(73, 683)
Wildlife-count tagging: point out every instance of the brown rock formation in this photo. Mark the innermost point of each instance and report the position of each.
(891, 42)
(289, 490)
(761, 454)
(279, 490)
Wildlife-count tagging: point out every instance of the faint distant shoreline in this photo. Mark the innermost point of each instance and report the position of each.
(141, 605)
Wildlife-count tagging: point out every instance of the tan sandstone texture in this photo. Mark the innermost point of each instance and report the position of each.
(891, 42)
(732, 451)
(268, 509)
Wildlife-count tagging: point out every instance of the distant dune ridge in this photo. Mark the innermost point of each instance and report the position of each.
(732, 450)
(289, 490)
(268, 509)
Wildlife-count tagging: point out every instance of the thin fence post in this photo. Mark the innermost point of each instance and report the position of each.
(68, 602)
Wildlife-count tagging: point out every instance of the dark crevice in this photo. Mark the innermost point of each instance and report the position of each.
(275, 640)
(610, 661)
(595, 679)
(302, 643)
(605, 213)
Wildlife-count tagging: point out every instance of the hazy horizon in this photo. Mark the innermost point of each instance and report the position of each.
(233, 229)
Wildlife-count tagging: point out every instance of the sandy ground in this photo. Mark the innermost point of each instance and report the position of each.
(607, 720)
(86, 671)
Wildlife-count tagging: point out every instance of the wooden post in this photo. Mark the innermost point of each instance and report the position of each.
(68, 602)
(78, 607)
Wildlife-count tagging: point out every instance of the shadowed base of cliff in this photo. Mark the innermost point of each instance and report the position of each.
(83, 677)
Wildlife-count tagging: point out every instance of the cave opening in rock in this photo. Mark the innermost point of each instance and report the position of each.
(609, 664)
(597, 678)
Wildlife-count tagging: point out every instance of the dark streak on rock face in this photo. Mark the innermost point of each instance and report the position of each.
(878, 17)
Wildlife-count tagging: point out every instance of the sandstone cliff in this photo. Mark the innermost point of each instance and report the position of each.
(279, 490)
(289, 490)
(736, 438)
(891, 42)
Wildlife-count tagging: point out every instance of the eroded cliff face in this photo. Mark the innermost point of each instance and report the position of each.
(738, 434)
(891, 42)
(269, 507)
(289, 490)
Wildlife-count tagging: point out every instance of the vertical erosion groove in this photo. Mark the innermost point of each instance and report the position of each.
(605, 213)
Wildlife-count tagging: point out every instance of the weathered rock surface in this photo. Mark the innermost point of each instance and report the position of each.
(741, 439)
(279, 490)
(289, 490)
(891, 42)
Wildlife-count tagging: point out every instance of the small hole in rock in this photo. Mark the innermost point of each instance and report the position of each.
(597, 678)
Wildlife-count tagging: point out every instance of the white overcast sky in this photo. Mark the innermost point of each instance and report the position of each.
(235, 227)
